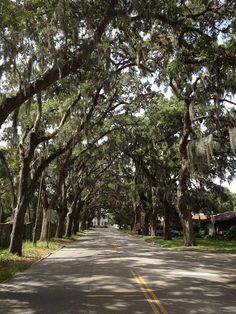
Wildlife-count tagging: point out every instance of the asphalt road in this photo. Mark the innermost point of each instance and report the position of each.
(110, 272)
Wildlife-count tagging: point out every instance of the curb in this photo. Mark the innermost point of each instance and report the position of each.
(39, 260)
(46, 256)
(36, 262)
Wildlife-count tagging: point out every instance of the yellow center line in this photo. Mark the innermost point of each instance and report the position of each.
(149, 295)
(152, 304)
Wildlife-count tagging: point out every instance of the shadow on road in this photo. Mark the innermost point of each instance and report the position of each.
(93, 275)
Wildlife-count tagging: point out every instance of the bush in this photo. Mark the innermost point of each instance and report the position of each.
(201, 233)
(230, 234)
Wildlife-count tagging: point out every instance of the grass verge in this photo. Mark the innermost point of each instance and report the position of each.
(11, 264)
(206, 245)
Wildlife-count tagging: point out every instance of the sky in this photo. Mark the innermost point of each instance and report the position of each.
(231, 186)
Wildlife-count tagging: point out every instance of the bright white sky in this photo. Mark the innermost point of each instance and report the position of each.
(231, 186)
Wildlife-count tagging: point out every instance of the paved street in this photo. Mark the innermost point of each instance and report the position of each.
(110, 272)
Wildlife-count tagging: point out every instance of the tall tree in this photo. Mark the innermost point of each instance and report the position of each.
(56, 42)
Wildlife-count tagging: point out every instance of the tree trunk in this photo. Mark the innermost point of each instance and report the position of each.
(26, 190)
(182, 188)
(28, 185)
(44, 236)
(37, 226)
(83, 224)
(72, 214)
(61, 224)
(146, 224)
(44, 227)
(77, 217)
(153, 224)
(167, 227)
(18, 230)
(22, 204)
(62, 211)
(38, 216)
(184, 214)
(1, 211)
(76, 226)
(69, 225)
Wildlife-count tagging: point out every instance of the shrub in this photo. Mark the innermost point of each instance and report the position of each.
(201, 233)
(230, 234)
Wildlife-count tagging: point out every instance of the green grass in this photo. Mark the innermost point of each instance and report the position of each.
(11, 264)
(208, 245)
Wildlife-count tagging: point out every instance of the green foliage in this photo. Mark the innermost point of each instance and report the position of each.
(234, 200)
(120, 123)
(204, 245)
(230, 234)
(214, 199)
(11, 265)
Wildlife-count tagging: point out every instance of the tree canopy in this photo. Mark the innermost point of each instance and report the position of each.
(123, 106)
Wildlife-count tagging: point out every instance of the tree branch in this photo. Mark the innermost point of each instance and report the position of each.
(62, 122)
(226, 100)
(54, 74)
